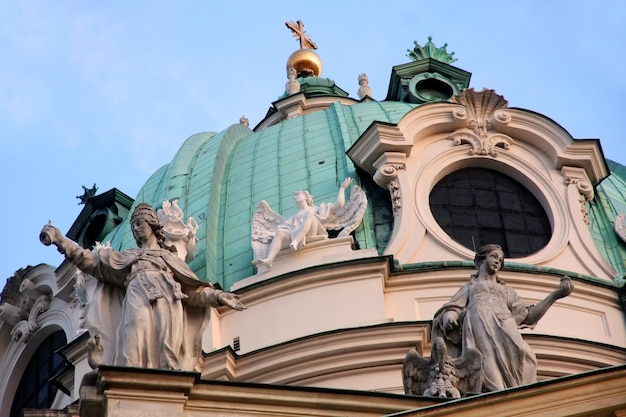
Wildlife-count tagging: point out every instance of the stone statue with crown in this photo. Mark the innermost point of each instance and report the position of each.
(149, 309)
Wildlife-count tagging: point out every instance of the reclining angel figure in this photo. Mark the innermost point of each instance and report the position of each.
(272, 233)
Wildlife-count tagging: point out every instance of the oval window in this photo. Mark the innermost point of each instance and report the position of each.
(476, 206)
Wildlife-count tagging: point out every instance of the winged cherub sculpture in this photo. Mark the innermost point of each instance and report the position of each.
(271, 232)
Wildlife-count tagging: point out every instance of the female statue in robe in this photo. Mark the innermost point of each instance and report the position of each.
(486, 314)
(149, 309)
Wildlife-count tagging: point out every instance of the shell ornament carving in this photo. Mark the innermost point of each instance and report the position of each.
(482, 107)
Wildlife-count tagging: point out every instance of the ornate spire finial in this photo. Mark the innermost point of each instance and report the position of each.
(87, 194)
(298, 31)
(305, 60)
(430, 51)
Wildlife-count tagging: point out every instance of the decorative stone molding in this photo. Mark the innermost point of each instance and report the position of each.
(385, 174)
(23, 330)
(20, 332)
(501, 116)
(481, 109)
(481, 105)
(388, 167)
(12, 314)
(380, 144)
(482, 145)
(396, 196)
(24, 301)
(583, 186)
(577, 177)
(41, 306)
(301, 361)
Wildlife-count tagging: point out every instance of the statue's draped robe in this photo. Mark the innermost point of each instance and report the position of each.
(490, 314)
(148, 308)
(318, 216)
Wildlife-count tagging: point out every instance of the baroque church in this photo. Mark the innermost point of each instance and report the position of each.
(345, 226)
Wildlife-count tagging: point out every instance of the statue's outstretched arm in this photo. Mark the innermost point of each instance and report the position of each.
(84, 259)
(210, 296)
(536, 312)
(341, 195)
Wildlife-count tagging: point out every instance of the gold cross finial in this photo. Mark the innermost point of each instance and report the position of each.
(298, 31)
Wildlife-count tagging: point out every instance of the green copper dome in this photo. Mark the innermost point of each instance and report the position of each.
(603, 209)
(318, 86)
(220, 178)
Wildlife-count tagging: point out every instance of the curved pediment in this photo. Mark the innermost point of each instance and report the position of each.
(479, 131)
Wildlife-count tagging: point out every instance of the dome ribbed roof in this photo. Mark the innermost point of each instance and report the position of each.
(607, 204)
(220, 178)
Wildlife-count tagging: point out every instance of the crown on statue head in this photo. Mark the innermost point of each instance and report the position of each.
(144, 210)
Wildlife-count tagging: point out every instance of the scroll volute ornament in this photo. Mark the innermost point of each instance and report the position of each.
(481, 108)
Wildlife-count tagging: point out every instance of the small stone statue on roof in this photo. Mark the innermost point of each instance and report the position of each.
(272, 233)
(364, 88)
(293, 86)
(477, 345)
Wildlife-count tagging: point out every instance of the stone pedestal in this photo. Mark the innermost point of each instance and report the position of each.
(321, 252)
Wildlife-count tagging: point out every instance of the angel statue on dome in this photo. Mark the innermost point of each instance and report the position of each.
(149, 309)
(271, 232)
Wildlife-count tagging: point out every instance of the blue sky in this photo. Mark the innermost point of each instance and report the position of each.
(106, 92)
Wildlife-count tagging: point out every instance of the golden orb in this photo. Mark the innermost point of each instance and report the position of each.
(306, 62)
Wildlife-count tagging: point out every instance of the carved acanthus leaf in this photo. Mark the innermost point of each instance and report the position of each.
(482, 145)
(40, 306)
